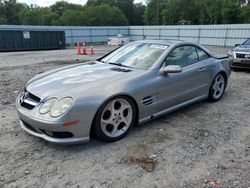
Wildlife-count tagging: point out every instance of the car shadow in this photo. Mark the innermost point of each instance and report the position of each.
(96, 144)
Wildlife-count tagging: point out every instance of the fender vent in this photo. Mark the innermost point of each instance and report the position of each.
(120, 69)
(147, 100)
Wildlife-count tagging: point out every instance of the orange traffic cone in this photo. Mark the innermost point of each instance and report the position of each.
(84, 52)
(78, 49)
(92, 50)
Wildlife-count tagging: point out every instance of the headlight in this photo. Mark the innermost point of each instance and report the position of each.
(45, 108)
(60, 107)
(231, 53)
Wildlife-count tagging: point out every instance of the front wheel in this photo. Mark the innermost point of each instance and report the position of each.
(115, 118)
(217, 88)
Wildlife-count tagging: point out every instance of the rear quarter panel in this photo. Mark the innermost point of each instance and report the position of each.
(223, 65)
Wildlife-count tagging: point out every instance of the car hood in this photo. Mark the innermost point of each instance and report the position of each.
(242, 48)
(61, 82)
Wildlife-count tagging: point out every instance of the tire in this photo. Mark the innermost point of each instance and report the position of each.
(114, 119)
(217, 88)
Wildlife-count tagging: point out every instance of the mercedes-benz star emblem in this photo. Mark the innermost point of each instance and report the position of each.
(24, 96)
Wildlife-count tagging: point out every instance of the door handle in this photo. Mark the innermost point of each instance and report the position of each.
(202, 69)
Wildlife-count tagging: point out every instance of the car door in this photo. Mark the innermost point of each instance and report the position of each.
(178, 88)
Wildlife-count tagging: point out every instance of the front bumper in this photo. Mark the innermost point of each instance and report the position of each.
(53, 130)
(240, 63)
(52, 139)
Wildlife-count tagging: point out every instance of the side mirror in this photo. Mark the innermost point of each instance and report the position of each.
(236, 45)
(171, 69)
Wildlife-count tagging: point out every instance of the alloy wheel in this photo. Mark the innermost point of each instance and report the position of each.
(116, 118)
(218, 86)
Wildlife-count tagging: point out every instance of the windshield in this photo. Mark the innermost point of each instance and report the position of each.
(136, 55)
(247, 42)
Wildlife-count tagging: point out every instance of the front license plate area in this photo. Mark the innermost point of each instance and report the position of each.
(245, 61)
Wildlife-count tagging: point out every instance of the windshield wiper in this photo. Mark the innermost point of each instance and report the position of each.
(118, 64)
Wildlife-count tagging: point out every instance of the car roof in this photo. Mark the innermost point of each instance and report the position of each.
(162, 42)
(174, 43)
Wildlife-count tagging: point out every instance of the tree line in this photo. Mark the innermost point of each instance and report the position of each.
(93, 13)
(171, 12)
(126, 12)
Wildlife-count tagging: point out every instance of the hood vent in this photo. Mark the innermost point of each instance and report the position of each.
(147, 100)
(91, 63)
(120, 69)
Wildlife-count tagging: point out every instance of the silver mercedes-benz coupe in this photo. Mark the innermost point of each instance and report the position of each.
(131, 85)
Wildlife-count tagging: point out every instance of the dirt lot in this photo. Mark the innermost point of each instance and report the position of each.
(203, 145)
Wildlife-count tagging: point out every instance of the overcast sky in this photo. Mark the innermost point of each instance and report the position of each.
(44, 3)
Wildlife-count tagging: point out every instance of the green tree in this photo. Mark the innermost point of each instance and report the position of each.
(3, 19)
(73, 18)
(213, 9)
(104, 15)
(60, 7)
(170, 14)
(153, 11)
(38, 16)
(189, 11)
(126, 6)
(245, 14)
(230, 12)
(12, 10)
(123, 12)
(98, 2)
(138, 10)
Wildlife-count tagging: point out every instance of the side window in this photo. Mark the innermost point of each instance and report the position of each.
(202, 55)
(182, 56)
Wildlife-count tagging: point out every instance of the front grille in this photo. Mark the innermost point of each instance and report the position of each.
(242, 56)
(28, 100)
(33, 97)
(28, 106)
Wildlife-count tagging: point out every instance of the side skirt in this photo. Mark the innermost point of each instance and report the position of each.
(171, 109)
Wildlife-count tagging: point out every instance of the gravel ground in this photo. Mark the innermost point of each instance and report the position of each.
(14, 59)
(203, 145)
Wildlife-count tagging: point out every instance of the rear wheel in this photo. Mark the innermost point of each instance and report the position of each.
(217, 88)
(115, 118)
